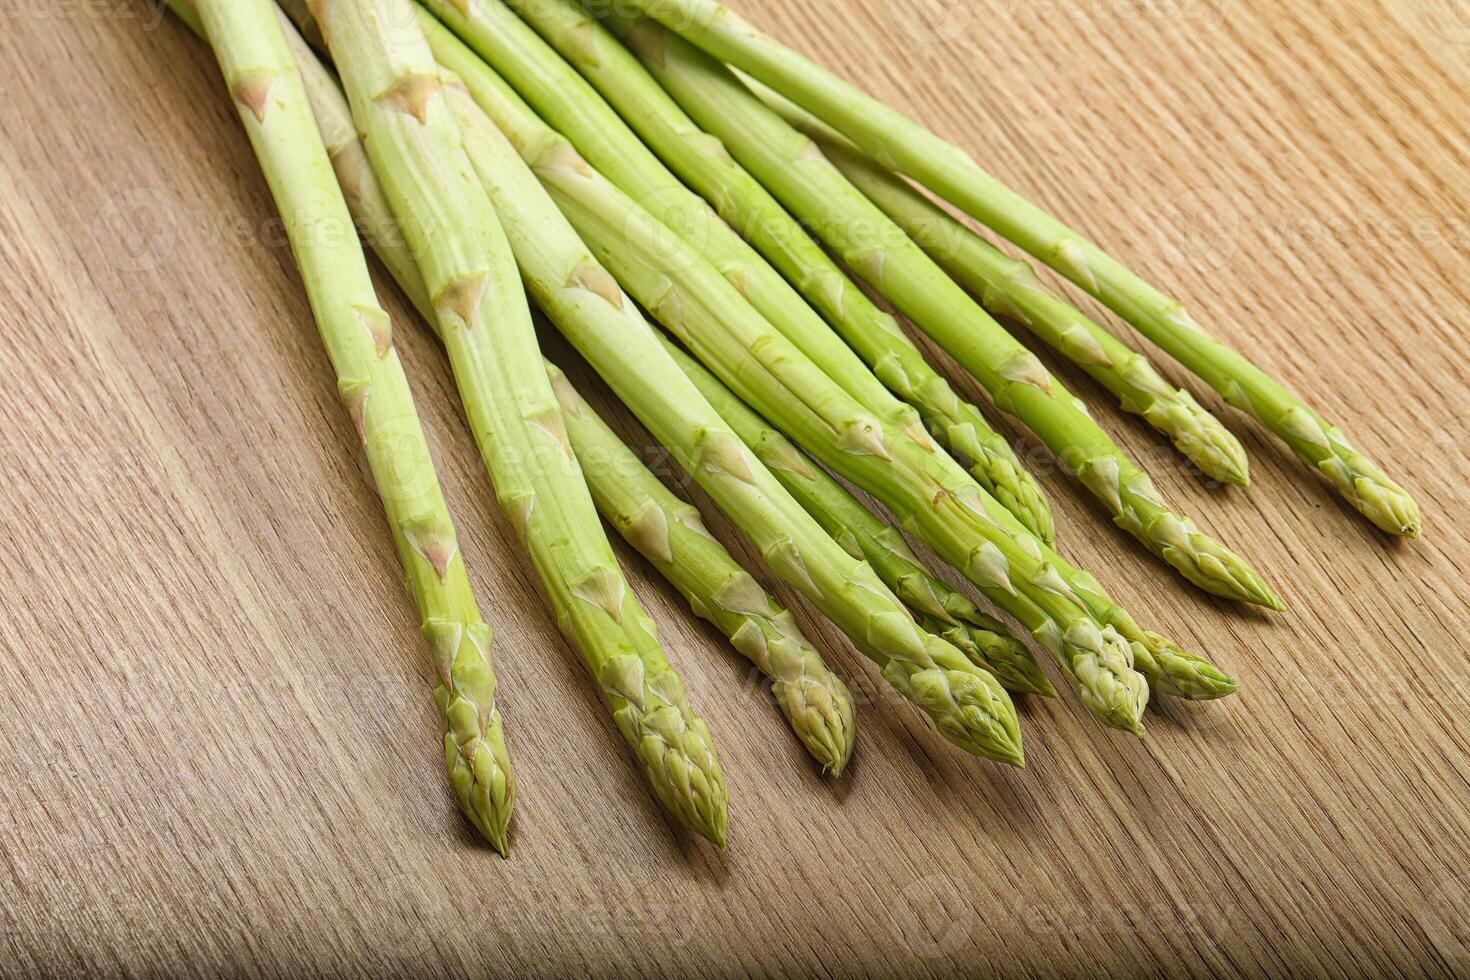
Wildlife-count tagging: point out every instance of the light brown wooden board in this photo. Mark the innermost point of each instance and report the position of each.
(219, 751)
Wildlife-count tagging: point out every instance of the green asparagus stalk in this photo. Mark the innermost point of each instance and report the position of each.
(792, 167)
(412, 139)
(670, 534)
(936, 498)
(966, 704)
(1010, 287)
(663, 528)
(901, 144)
(745, 207)
(259, 70)
(940, 609)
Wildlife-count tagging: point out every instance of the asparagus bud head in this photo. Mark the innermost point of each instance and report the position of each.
(673, 744)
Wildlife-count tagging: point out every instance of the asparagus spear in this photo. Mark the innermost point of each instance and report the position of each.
(901, 144)
(940, 609)
(792, 167)
(414, 144)
(670, 420)
(1010, 287)
(258, 68)
(746, 207)
(926, 488)
(670, 534)
(965, 703)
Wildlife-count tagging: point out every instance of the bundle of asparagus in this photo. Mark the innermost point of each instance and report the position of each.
(567, 103)
(639, 163)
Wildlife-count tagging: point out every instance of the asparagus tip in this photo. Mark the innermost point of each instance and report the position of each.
(481, 775)
(493, 827)
(1235, 475)
(677, 754)
(1224, 685)
(716, 829)
(1270, 600)
(821, 714)
(1172, 670)
(837, 763)
(1013, 755)
(1406, 522)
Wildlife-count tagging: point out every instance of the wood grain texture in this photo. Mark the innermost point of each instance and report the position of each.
(220, 754)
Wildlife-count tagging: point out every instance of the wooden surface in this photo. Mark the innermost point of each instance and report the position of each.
(219, 752)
